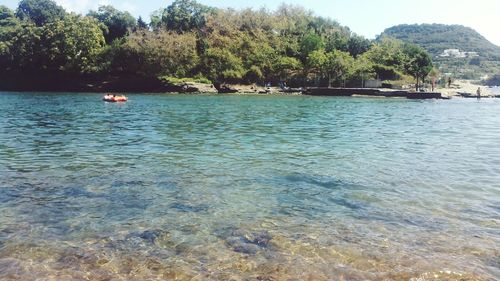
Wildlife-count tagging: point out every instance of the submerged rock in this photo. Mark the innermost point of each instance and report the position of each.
(246, 242)
(189, 208)
(150, 236)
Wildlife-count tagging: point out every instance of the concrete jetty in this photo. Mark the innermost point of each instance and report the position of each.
(373, 92)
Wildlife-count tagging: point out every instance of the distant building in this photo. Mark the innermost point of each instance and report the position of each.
(456, 53)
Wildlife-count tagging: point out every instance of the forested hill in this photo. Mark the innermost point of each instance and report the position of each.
(436, 38)
(44, 47)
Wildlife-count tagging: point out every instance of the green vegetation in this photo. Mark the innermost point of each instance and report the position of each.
(191, 42)
(436, 38)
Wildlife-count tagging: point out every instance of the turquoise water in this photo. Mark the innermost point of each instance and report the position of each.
(248, 188)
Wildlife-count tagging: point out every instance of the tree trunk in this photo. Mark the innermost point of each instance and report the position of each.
(416, 86)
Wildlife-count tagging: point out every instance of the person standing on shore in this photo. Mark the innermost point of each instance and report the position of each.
(478, 92)
(449, 82)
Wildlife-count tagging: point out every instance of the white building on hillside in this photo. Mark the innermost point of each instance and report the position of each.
(456, 53)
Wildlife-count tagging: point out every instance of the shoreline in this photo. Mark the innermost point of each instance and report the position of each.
(458, 89)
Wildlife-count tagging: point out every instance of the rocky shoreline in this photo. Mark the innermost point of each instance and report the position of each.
(135, 84)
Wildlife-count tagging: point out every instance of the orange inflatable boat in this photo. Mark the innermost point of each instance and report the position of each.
(114, 98)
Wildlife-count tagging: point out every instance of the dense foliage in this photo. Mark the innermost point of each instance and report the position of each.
(191, 40)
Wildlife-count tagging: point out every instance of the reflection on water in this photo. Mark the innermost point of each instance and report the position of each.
(248, 188)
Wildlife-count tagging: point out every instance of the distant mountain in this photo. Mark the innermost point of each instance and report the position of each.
(439, 37)
(457, 50)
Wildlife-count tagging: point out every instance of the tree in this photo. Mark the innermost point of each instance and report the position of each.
(141, 24)
(335, 65)
(5, 14)
(156, 19)
(358, 45)
(222, 66)
(158, 54)
(9, 28)
(362, 69)
(418, 64)
(40, 12)
(117, 24)
(185, 15)
(310, 43)
(25, 48)
(388, 58)
(254, 74)
(69, 45)
(339, 66)
(286, 67)
(338, 39)
(292, 20)
(72, 44)
(317, 62)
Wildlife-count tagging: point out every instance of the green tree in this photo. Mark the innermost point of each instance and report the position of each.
(158, 54)
(317, 62)
(338, 39)
(25, 48)
(286, 67)
(339, 65)
(156, 19)
(141, 24)
(358, 45)
(310, 43)
(185, 15)
(117, 24)
(9, 27)
(419, 62)
(362, 69)
(40, 12)
(388, 58)
(72, 44)
(254, 74)
(222, 66)
(5, 14)
(333, 66)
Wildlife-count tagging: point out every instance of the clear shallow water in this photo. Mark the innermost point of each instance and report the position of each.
(248, 187)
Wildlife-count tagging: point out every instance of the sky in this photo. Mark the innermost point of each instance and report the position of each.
(364, 17)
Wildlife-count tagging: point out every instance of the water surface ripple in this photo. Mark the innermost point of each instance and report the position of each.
(248, 188)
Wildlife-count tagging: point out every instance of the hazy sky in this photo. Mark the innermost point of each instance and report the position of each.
(365, 17)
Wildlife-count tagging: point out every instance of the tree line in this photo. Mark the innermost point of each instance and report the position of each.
(191, 40)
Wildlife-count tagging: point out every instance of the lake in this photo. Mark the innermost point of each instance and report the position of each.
(248, 188)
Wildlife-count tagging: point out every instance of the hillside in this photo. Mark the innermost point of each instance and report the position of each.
(438, 37)
(476, 57)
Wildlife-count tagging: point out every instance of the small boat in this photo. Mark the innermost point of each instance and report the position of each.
(114, 98)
